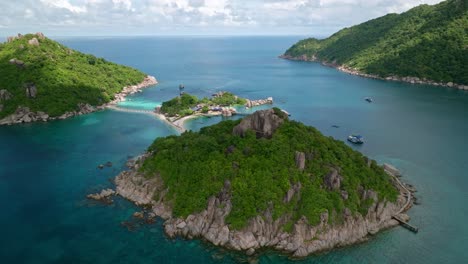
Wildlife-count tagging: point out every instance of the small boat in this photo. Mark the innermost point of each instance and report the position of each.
(368, 99)
(356, 139)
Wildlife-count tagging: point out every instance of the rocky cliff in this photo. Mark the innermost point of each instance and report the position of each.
(266, 230)
(262, 231)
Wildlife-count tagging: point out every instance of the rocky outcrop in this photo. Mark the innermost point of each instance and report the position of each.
(24, 115)
(252, 103)
(332, 180)
(104, 195)
(228, 111)
(132, 89)
(40, 35)
(31, 90)
(352, 71)
(13, 38)
(262, 231)
(33, 42)
(263, 123)
(293, 191)
(5, 95)
(300, 160)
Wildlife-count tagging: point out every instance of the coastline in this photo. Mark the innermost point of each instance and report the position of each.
(262, 231)
(408, 79)
(24, 115)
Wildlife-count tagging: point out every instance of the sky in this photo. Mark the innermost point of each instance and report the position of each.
(191, 17)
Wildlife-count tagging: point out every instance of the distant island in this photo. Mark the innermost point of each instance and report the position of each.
(42, 80)
(426, 44)
(186, 106)
(263, 182)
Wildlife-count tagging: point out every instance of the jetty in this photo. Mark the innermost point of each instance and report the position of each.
(405, 224)
(392, 171)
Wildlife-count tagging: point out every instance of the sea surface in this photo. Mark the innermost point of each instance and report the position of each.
(47, 169)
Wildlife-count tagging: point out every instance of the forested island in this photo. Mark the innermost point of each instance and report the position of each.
(263, 182)
(427, 44)
(186, 106)
(42, 80)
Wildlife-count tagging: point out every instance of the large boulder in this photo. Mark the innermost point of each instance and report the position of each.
(263, 123)
(33, 42)
(40, 35)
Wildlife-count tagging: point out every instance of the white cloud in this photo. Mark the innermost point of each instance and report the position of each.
(125, 4)
(122, 17)
(28, 13)
(64, 4)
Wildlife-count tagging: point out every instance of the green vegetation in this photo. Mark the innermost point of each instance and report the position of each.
(427, 42)
(63, 77)
(181, 105)
(195, 165)
(227, 99)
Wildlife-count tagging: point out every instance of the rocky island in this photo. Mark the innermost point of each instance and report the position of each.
(43, 80)
(425, 45)
(181, 108)
(264, 182)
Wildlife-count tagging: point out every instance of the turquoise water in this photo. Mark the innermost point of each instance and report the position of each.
(46, 170)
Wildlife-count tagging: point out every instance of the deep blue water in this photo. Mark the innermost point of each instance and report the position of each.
(46, 170)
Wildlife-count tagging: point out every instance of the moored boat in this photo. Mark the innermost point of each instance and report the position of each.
(356, 139)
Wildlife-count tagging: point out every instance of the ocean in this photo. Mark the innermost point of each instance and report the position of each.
(47, 169)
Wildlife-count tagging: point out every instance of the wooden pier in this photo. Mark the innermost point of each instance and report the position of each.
(406, 224)
(406, 206)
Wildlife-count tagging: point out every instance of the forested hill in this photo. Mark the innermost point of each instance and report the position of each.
(428, 42)
(44, 75)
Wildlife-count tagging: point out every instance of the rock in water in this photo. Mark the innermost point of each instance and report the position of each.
(263, 123)
(104, 195)
(138, 215)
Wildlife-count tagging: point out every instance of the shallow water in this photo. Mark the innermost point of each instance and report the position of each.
(46, 170)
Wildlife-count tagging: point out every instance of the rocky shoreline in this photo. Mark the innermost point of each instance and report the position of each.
(262, 231)
(407, 79)
(24, 115)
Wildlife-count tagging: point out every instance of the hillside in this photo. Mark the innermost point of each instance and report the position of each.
(44, 75)
(428, 42)
(241, 184)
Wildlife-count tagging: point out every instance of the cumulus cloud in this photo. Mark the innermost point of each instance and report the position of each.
(126, 17)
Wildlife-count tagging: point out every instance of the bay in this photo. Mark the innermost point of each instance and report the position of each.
(47, 169)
